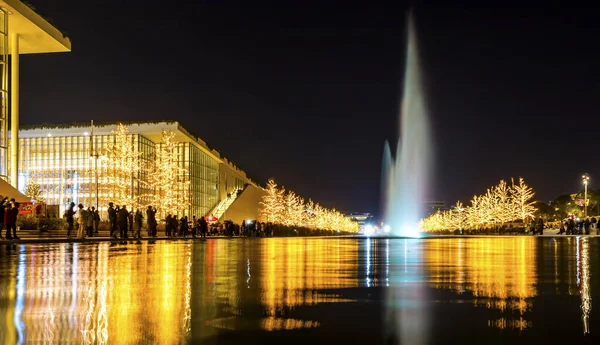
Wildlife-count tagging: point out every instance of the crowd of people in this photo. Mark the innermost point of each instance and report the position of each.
(586, 226)
(125, 224)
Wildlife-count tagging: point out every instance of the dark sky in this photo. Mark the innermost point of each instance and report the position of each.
(307, 93)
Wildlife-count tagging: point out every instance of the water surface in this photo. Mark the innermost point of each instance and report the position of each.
(333, 290)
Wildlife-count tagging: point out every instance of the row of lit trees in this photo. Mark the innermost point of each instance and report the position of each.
(500, 204)
(159, 179)
(283, 207)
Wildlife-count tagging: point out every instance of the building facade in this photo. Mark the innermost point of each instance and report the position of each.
(71, 163)
(22, 31)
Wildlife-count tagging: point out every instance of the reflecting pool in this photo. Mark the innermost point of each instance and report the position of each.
(347, 290)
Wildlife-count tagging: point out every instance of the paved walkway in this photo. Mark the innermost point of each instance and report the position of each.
(58, 236)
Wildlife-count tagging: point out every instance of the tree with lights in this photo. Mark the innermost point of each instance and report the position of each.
(458, 216)
(272, 204)
(293, 213)
(123, 166)
(33, 191)
(504, 203)
(500, 204)
(169, 181)
(289, 209)
(524, 205)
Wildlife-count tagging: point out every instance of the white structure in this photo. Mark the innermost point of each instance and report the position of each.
(22, 31)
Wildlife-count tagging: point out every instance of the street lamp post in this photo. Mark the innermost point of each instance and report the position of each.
(586, 179)
(94, 153)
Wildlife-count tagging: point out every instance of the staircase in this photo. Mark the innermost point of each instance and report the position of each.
(224, 204)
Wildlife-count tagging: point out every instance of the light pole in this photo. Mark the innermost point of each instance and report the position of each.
(94, 153)
(586, 179)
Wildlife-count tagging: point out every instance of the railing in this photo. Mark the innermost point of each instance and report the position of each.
(224, 204)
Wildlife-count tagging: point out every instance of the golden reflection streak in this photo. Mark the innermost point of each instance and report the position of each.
(297, 269)
(584, 287)
(187, 317)
(499, 272)
(102, 280)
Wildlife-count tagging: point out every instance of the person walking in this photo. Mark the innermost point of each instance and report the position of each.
(10, 220)
(112, 220)
(70, 218)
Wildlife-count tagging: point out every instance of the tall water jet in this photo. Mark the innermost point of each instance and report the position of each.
(405, 177)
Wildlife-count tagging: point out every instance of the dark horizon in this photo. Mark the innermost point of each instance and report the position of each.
(309, 94)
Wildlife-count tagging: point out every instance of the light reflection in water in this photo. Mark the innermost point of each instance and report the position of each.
(174, 292)
(97, 294)
(583, 280)
(295, 270)
(499, 272)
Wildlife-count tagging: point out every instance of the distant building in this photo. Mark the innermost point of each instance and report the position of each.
(58, 157)
(432, 207)
(360, 218)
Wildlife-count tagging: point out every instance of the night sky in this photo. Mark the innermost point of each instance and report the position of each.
(308, 93)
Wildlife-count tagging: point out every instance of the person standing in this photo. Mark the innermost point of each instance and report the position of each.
(151, 220)
(194, 226)
(137, 223)
(122, 216)
(10, 220)
(112, 219)
(96, 215)
(81, 221)
(89, 223)
(2, 210)
(130, 223)
(69, 217)
(168, 225)
(203, 227)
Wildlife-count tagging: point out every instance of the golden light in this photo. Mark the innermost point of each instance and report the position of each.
(500, 204)
(289, 209)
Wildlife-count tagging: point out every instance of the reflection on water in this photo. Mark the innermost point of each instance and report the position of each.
(498, 274)
(174, 292)
(583, 280)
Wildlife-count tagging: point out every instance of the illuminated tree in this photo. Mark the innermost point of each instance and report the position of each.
(293, 212)
(169, 181)
(500, 204)
(33, 191)
(123, 166)
(524, 205)
(272, 204)
(290, 209)
(458, 216)
(504, 203)
(309, 214)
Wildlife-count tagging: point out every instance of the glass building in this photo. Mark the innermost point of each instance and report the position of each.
(72, 163)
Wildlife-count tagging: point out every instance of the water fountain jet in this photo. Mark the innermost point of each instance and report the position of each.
(405, 176)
